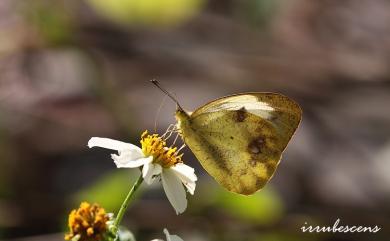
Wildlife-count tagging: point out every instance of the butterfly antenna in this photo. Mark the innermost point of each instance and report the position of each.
(158, 113)
(156, 83)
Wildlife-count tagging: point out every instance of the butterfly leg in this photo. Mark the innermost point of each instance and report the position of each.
(168, 132)
(181, 148)
(174, 141)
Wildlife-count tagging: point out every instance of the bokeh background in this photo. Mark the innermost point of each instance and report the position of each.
(71, 69)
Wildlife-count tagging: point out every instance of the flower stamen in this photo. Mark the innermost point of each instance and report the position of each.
(156, 146)
(88, 223)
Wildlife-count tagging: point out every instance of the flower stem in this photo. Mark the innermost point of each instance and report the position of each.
(126, 203)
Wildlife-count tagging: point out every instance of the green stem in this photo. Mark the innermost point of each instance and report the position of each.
(126, 203)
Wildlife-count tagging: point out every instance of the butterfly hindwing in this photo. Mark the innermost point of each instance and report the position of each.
(239, 139)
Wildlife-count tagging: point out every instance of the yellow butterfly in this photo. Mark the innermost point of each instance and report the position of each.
(239, 139)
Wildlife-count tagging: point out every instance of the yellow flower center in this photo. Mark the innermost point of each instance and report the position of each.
(154, 145)
(88, 222)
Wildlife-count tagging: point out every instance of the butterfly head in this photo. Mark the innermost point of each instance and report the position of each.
(182, 117)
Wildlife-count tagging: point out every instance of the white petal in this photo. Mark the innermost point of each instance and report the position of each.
(174, 190)
(171, 237)
(185, 170)
(110, 144)
(186, 175)
(127, 152)
(149, 171)
(146, 168)
(125, 161)
(190, 187)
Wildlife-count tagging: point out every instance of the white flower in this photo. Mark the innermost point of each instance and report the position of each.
(169, 237)
(156, 160)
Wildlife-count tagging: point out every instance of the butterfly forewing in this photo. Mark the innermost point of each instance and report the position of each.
(239, 139)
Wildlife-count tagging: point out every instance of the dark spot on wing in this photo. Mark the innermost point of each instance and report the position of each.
(231, 137)
(254, 149)
(256, 145)
(241, 114)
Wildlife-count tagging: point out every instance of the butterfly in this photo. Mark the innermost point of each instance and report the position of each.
(239, 139)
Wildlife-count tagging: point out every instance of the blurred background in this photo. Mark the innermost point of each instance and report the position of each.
(70, 70)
